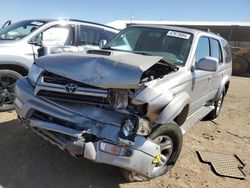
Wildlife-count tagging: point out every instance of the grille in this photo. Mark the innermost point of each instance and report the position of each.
(90, 98)
(56, 79)
(74, 98)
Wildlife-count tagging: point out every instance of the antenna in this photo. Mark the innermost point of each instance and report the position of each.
(131, 18)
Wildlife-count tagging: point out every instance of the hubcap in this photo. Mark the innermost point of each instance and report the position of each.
(7, 84)
(166, 147)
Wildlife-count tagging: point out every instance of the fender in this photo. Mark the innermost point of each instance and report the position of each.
(221, 88)
(174, 108)
(16, 60)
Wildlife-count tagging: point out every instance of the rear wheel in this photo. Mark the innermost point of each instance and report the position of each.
(169, 138)
(217, 107)
(8, 79)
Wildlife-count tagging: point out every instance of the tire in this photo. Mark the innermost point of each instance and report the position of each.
(217, 107)
(240, 65)
(8, 79)
(167, 134)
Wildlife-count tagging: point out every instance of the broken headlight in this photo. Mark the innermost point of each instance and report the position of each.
(34, 73)
(132, 127)
(128, 130)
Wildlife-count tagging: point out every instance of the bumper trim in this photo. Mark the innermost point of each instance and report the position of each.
(54, 127)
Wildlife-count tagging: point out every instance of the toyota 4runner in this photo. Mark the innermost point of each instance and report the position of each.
(129, 104)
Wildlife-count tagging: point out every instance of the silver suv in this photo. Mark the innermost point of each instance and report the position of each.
(19, 44)
(129, 104)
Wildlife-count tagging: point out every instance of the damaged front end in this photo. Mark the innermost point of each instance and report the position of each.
(90, 117)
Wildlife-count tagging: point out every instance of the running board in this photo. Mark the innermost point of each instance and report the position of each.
(195, 117)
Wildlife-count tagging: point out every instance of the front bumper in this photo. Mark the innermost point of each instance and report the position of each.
(82, 130)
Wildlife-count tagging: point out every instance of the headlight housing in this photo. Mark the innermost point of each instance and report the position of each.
(34, 73)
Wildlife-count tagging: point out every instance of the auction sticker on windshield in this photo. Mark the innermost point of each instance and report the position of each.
(178, 34)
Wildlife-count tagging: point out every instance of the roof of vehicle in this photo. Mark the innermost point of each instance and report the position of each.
(183, 29)
(40, 20)
(73, 20)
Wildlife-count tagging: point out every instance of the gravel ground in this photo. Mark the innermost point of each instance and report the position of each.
(29, 161)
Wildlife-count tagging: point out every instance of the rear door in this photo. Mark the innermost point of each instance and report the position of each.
(216, 52)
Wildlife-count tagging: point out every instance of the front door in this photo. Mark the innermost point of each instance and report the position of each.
(58, 37)
(200, 79)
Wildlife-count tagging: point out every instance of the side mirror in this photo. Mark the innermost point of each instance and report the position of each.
(207, 64)
(36, 42)
(102, 43)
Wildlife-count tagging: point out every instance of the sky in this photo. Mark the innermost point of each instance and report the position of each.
(105, 11)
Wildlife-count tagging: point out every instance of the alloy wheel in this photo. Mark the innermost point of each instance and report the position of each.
(166, 148)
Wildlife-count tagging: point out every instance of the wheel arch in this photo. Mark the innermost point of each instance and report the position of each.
(223, 86)
(182, 116)
(176, 110)
(18, 68)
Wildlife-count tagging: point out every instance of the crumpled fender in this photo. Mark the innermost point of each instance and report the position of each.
(174, 108)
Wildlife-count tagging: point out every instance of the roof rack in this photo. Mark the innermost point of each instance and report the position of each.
(83, 21)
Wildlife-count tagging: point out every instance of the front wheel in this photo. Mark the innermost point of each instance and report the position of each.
(169, 138)
(8, 79)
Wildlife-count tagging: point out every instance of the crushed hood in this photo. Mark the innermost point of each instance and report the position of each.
(117, 70)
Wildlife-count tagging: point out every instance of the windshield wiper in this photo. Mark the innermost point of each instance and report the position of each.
(106, 48)
(109, 48)
(141, 53)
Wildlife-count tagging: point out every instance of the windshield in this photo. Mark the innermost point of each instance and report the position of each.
(19, 30)
(170, 44)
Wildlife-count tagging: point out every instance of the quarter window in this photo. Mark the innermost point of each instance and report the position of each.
(226, 51)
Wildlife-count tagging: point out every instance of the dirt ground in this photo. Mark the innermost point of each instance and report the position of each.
(26, 160)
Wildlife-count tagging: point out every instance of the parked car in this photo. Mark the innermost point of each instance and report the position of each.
(19, 44)
(129, 104)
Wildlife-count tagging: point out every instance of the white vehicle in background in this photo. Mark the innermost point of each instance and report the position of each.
(21, 41)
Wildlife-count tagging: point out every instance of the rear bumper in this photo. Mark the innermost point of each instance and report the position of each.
(82, 130)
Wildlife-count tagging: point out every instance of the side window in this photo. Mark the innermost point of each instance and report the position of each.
(226, 51)
(109, 35)
(57, 36)
(216, 50)
(90, 35)
(202, 49)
